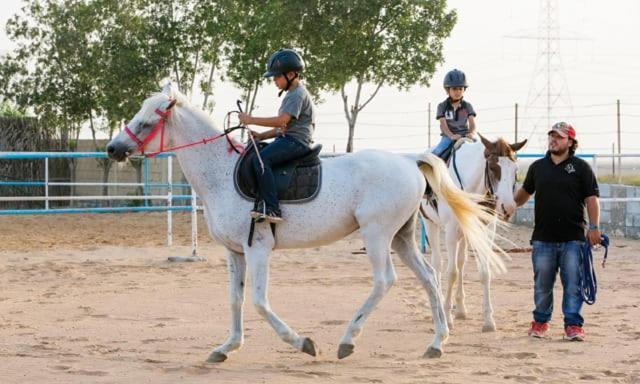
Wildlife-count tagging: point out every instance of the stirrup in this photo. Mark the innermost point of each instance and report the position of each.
(259, 212)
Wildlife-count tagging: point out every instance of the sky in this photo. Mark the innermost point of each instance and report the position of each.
(494, 43)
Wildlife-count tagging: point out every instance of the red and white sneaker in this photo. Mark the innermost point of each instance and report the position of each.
(574, 333)
(538, 329)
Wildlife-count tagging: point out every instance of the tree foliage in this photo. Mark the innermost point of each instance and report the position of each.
(90, 62)
(378, 42)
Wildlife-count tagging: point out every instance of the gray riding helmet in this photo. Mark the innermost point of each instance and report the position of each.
(455, 78)
(283, 61)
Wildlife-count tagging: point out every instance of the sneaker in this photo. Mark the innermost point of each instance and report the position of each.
(573, 333)
(538, 329)
(273, 217)
(260, 212)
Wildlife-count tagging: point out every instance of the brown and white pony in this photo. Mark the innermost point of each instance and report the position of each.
(482, 167)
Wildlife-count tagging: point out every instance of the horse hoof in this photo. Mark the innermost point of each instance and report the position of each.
(309, 347)
(489, 328)
(345, 350)
(216, 357)
(432, 353)
(461, 316)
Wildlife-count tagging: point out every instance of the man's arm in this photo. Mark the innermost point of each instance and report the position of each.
(593, 213)
(521, 196)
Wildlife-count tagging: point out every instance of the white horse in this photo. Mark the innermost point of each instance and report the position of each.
(486, 168)
(374, 191)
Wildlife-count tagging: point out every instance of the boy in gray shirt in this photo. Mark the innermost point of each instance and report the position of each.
(456, 116)
(292, 128)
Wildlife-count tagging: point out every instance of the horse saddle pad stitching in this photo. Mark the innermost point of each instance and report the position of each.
(297, 181)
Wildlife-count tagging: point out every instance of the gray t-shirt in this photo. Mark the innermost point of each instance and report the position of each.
(299, 105)
(457, 119)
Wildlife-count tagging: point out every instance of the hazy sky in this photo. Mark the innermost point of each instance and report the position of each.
(600, 63)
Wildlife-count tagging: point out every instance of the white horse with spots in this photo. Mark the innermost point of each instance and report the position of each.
(374, 191)
(485, 168)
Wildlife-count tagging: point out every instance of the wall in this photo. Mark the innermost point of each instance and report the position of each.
(616, 219)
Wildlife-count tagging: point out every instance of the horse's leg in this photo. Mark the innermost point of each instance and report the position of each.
(258, 262)
(404, 244)
(433, 235)
(236, 267)
(487, 309)
(384, 275)
(485, 278)
(452, 241)
(461, 309)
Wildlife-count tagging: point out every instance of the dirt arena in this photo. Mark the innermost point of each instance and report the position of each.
(92, 299)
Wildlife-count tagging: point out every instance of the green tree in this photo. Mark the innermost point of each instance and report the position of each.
(378, 42)
(7, 109)
(255, 30)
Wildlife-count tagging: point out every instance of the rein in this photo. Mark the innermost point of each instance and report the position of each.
(159, 127)
(455, 166)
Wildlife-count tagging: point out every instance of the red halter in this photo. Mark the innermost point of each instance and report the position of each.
(159, 127)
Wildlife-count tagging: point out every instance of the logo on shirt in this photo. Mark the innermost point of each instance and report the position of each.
(448, 115)
(569, 168)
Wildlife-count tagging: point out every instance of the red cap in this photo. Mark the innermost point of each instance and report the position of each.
(563, 129)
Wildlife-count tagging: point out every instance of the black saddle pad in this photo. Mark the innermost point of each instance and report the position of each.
(296, 182)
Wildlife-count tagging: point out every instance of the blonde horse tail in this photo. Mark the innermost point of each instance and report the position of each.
(472, 217)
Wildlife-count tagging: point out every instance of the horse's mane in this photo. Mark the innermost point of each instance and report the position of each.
(158, 100)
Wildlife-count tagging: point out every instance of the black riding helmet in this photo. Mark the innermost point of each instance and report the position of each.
(455, 78)
(283, 61)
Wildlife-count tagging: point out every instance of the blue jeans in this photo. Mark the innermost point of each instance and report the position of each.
(444, 143)
(547, 258)
(283, 149)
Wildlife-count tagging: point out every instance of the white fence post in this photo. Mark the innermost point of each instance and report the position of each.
(46, 182)
(194, 224)
(169, 201)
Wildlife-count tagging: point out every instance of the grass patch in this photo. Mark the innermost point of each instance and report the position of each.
(626, 180)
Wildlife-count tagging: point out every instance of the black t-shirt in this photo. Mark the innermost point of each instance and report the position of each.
(559, 201)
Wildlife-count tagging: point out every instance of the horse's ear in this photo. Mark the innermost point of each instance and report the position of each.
(171, 104)
(166, 87)
(517, 146)
(485, 142)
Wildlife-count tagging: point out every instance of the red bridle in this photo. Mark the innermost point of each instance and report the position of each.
(159, 127)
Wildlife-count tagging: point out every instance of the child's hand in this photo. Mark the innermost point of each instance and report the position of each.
(244, 118)
(456, 137)
(257, 135)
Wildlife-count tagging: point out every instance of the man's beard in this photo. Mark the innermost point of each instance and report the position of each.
(559, 152)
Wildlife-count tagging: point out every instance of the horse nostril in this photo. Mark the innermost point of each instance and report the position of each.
(110, 149)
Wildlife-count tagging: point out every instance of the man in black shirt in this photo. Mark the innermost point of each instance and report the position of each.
(564, 184)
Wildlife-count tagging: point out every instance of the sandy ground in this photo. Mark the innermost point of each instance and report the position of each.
(92, 299)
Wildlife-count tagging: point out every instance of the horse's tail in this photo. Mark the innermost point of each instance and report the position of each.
(472, 217)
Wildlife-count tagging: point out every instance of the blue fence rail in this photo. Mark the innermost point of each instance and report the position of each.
(46, 184)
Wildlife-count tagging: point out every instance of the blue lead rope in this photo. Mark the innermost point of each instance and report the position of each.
(588, 275)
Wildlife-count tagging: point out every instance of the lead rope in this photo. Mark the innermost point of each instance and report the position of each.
(589, 283)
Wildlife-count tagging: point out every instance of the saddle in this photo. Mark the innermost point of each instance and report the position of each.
(296, 182)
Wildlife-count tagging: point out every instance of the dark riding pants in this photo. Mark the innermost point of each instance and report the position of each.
(283, 149)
